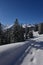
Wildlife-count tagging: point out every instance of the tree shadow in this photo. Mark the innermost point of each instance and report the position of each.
(20, 60)
(39, 45)
(34, 44)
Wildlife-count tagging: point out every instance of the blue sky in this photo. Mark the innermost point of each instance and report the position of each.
(27, 11)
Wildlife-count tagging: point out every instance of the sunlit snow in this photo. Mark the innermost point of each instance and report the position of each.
(23, 53)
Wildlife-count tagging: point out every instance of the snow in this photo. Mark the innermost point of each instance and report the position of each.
(23, 53)
(38, 37)
(28, 25)
(8, 26)
(11, 52)
(35, 55)
(8, 46)
(23, 25)
(36, 58)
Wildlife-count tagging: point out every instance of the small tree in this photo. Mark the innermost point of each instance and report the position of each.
(40, 28)
(36, 27)
(30, 34)
(26, 31)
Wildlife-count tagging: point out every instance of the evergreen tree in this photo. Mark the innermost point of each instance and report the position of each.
(1, 35)
(22, 33)
(7, 37)
(18, 35)
(36, 27)
(26, 31)
(16, 30)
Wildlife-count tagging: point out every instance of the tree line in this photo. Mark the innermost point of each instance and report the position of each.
(12, 35)
(15, 33)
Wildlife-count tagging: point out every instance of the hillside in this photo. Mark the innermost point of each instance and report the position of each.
(23, 53)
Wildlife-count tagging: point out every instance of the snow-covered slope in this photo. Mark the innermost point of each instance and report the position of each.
(23, 53)
(28, 25)
(10, 53)
(4, 27)
(38, 37)
(35, 55)
(8, 26)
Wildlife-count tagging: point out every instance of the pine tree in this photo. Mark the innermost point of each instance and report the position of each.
(36, 27)
(16, 30)
(18, 33)
(7, 36)
(26, 31)
(22, 33)
(1, 35)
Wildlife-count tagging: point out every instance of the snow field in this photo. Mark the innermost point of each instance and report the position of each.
(10, 53)
(23, 53)
(35, 56)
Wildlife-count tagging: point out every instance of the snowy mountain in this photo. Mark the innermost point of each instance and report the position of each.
(5, 27)
(10, 26)
(28, 25)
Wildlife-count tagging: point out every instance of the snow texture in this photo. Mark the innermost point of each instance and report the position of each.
(35, 55)
(23, 53)
(10, 53)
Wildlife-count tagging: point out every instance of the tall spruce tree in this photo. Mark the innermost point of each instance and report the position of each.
(1, 35)
(16, 31)
(18, 34)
